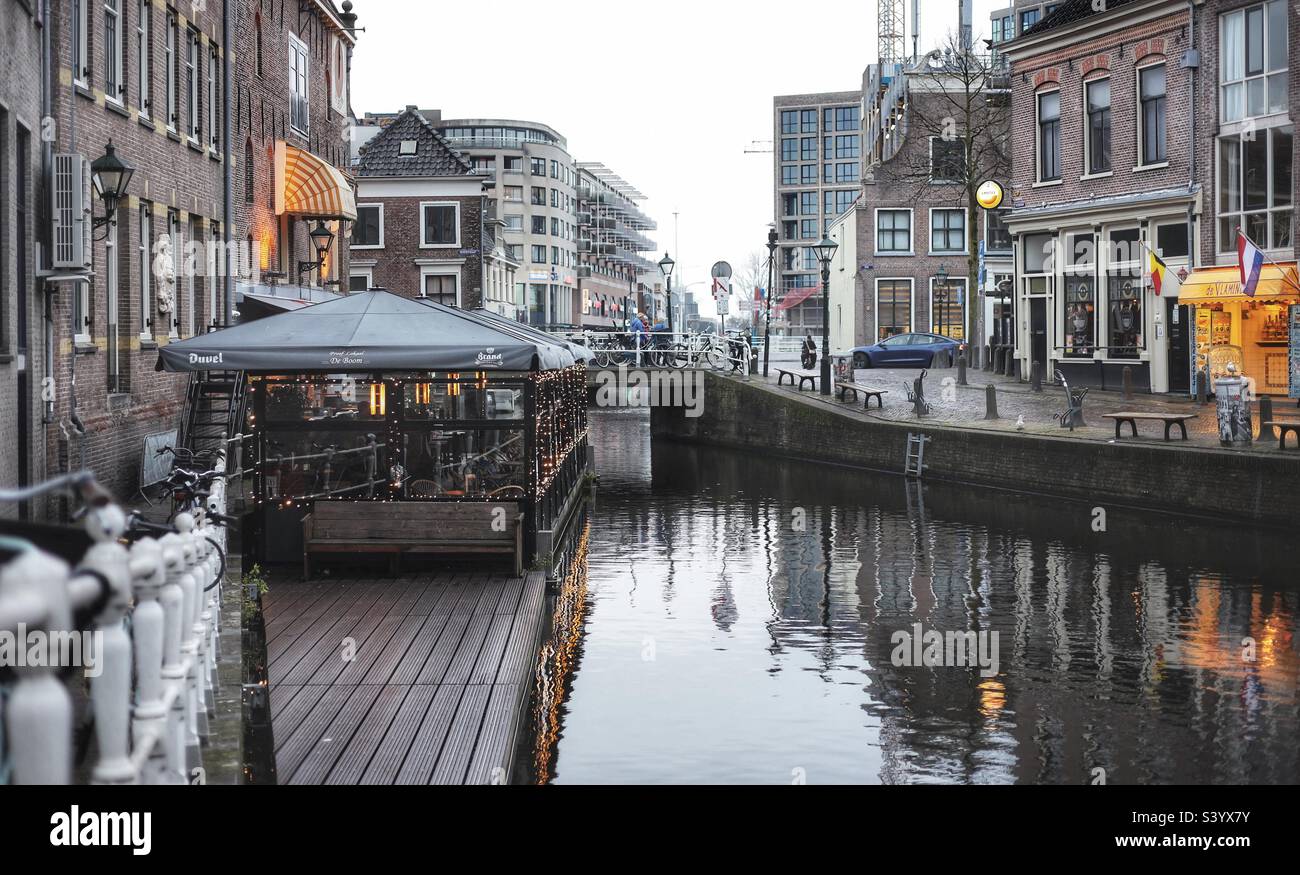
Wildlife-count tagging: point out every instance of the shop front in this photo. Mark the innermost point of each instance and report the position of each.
(1248, 332)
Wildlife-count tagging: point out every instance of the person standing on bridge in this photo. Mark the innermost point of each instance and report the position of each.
(638, 332)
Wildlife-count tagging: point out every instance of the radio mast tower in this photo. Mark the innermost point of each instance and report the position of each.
(893, 44)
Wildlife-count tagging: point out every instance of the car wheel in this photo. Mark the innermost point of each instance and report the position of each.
(930, 364)
(860, 361)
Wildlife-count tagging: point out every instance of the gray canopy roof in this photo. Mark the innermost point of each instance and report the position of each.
(581, 352)
(366, 331)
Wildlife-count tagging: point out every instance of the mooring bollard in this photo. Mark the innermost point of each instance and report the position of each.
(991, 401)
(961, 368)
(1202, 393)
(1036, 377)
(988, 357)
(1128, 383)
(1265, 412)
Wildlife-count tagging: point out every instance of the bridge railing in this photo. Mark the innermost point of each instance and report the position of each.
(142, 623)
(665, 349)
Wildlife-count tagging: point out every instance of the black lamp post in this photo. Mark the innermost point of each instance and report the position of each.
(767, 330)
(940, 297)
(666, 266)
(321, 239)
(110, 176)
(825, 252)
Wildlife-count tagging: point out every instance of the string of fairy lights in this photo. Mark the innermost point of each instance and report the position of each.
(559, 423)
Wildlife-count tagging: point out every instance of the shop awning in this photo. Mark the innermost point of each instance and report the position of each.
(308, 185)
(365, 331)
(1209, 284)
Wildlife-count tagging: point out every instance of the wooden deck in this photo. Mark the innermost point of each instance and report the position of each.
(441, 671)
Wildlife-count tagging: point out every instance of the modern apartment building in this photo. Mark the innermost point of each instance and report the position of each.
(611, 239)
(533, 189)
(817, 176)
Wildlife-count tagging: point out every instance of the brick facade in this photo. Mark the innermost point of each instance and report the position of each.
(399, 266)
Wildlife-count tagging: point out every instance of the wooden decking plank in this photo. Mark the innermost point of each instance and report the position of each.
(395, 651)
(511, 594)
(392, 751)
(328, 644)
(494, 754)
(453, 762)
(408, 670)
(444, 651)
(294, 749)
(485, 668)
(370, 650)
(287, 718)
(328, 603)
(418, 766)
(331, 743)
(429, 600)
(312, 628)
(329, 670)
(493, 588)
(283, 696)
(470, 647)
(369, 735)
(412, 593)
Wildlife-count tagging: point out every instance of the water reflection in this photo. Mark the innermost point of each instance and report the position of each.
(738, 611)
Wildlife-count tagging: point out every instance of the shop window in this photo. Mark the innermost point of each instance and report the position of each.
(1080, 316)
(947, 308)
(893, 308)
(1124, 298)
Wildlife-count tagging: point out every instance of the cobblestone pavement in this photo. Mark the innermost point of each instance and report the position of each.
(965, 406)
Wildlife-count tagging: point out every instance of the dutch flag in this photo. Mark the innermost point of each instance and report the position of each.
(1252, 263)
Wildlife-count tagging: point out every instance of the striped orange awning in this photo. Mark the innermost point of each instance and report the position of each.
(307, 185)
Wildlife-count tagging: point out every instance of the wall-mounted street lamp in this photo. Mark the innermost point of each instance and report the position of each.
(825, 251)
(110, 176)
(321, 238)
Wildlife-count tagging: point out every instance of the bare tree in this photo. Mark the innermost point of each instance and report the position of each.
(752, 275)
(959, 121)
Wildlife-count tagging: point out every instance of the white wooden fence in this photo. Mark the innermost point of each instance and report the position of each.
(157, 610)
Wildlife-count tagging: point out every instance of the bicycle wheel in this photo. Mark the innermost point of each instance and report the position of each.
(678, 356)
(709, 357)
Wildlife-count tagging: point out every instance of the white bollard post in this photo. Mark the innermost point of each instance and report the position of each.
(39, 714)
(110, 690)
(172, 598)
(189, 648)
(147, 574)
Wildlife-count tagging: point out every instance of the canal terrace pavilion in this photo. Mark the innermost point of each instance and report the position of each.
(377, 398)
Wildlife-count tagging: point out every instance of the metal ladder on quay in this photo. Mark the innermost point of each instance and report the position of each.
(914, 464)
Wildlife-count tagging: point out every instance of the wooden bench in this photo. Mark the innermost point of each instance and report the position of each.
(403, 528)
(847, 386)
(801, 376)
(1169, 419)
(1283, 429)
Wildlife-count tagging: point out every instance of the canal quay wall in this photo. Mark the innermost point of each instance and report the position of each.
(1259, 487)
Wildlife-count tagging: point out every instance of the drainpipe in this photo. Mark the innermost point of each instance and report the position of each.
(227, 177)
(47, 163)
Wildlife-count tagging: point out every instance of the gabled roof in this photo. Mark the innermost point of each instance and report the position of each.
(382, 155)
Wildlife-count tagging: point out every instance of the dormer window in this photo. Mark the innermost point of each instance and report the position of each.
(408, 147)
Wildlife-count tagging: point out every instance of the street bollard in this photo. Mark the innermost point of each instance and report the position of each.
(988, 358)
(1265, 412)
(961, 368)
(991, 401)
(1128, 383)
(1036, 377)
(1010, 361)
(1202, 393)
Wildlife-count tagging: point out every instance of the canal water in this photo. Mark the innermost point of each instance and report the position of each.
(737, 618)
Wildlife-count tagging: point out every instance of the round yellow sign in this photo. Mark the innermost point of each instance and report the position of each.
(990, 195)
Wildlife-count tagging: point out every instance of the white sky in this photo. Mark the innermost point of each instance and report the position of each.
(667, 94)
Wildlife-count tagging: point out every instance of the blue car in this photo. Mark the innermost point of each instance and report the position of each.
(912, 350)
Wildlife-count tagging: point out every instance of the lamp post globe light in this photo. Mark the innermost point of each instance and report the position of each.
(666, 265)
(771, 264)
(321, 239)
(825, 252)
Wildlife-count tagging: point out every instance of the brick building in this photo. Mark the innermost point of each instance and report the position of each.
(420, 231)
(23, 347)
(1104, 171)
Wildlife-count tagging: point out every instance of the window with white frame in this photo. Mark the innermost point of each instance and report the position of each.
(948, 307)
(214, 99)
(1049, 136)
(1256, 185)
(1097, 141)
(81, 313)
(1253, 61)
(299, 102)
(169, 69)
(360, 280)
(441, 288)
(81, 22)
(193, 64)
(114, 54)
(368, 229)
(893, 231)
(145, 247)
(1152, 122)
(947, 231)
(439, 224)
(997, 236)
(893, 307)
(144, 55)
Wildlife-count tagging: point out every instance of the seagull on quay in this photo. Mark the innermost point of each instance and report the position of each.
(1020, 422)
